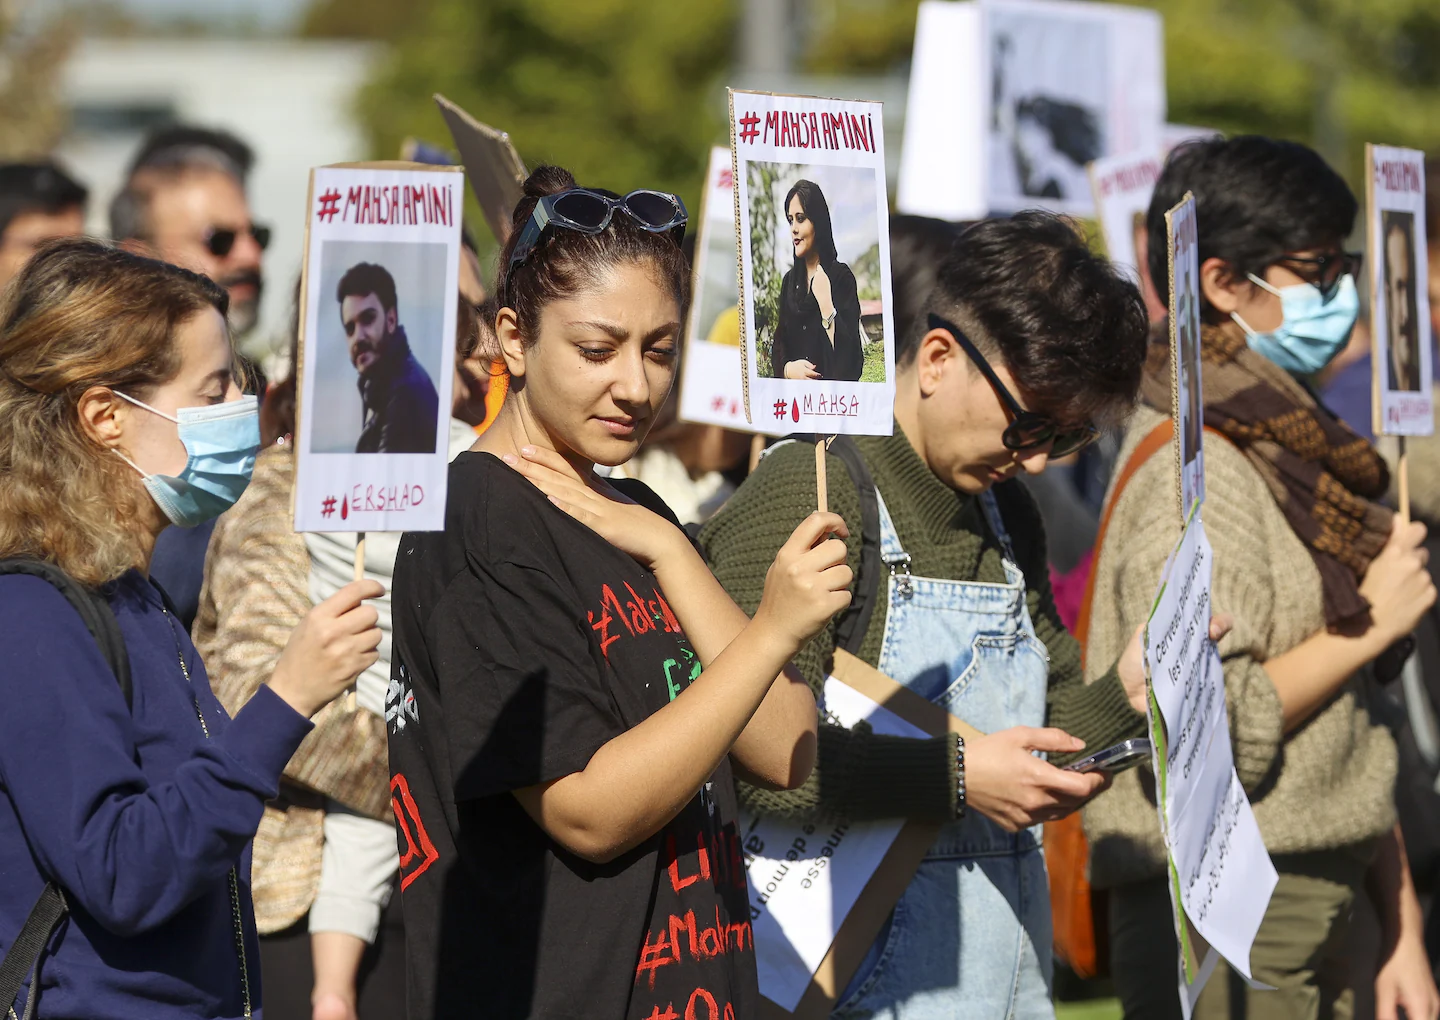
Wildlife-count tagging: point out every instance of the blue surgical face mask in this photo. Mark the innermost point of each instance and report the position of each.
(1312, 331)
(222, 440)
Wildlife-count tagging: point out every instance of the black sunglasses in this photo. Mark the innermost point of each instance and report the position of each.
(1027, 430)
(589, 212)
(1324, 272)
(221, 240)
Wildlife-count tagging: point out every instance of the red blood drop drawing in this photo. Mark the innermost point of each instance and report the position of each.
(794, 409)
(344, 508)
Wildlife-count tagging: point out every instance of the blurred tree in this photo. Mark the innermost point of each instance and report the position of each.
(1332, 73)
(31, 55)
(622, 92)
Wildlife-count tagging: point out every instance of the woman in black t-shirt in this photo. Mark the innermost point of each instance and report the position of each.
(818, 333)
(571, 686)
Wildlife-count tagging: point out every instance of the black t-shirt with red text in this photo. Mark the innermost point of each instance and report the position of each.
(522, 643)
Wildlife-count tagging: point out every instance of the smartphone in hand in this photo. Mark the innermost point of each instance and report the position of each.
(1122, 756)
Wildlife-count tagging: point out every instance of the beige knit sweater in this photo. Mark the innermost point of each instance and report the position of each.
(1330, 783)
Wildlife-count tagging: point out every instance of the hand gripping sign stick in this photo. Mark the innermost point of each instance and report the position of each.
(378, 314)
(1402, 372)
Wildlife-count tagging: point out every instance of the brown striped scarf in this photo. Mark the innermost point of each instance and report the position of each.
(1324, 476)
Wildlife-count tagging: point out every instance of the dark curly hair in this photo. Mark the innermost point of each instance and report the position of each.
(1256, 198)
(566, 260)
(1067, 324)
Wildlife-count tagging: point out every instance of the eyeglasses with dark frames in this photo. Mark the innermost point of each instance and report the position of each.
(1324, 272)
(221, 240)
(1028, 430)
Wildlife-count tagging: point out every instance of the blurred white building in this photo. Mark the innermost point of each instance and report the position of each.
(293, 101)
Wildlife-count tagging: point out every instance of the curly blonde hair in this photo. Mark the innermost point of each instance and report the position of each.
(82, 313)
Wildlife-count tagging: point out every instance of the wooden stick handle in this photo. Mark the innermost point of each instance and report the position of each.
(822, 487)
(1404, 472)
(359, 576)
(757, 447)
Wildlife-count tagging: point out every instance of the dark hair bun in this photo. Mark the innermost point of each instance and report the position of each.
(543, 180)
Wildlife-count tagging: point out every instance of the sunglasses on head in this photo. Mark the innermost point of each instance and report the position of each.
(1028, 430)
(1324, 272)
(590, 212)
(221, 240)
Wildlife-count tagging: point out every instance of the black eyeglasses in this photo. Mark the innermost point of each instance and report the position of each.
(1324, 272)
(589, 212)
(221, 240)
(1027, 430)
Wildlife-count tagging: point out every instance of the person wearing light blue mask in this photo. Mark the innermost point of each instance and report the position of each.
(220, 441)
(1324, 587)
(1315, 319)
(128, 807)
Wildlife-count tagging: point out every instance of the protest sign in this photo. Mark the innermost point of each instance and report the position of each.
(377, 347)
(816, 326)
(1221, 876)
(1122, 187)
(1011, 99)
(1401, 358)
(1188, 404)
(493, 167)
(820, 894)
(712, 385)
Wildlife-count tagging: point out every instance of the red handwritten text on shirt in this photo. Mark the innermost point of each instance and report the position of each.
(636, 615)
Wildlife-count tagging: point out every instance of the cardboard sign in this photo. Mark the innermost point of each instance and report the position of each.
(1401, 358)
(820, 894)
(816, 325)
(1011, 99)
(377, 346)
(493, 167)
(1188, 403)
(1122, 187)
(712, 373)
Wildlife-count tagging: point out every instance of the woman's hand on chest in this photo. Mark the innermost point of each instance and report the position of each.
(641, 534)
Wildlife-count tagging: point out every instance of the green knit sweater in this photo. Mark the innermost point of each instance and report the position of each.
(858, 774)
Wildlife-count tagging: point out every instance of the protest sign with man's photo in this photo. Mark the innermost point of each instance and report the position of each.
(378, 315)
(1400, 304)
(1189, 401)
(817, 334)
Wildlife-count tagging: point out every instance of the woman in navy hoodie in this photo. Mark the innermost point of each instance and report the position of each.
(120, 415)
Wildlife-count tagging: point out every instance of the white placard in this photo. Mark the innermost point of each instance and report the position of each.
(1400, 303)
(1221, 876)
(1041, 88)
(1123, 186)
(804, 879)
(815, 246)
(377, 461)
(712, 375)
(1189, 404)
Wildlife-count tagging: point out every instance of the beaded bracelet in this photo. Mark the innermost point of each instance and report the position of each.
(959, 776)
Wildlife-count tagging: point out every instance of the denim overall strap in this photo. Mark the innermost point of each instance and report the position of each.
(970, 937)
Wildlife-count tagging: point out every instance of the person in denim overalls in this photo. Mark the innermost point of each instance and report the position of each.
(1025, 341)
(970, 648)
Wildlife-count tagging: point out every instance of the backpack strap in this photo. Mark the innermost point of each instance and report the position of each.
(25, 953)
(850, 631)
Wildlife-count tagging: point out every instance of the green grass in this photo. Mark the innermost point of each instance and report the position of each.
(1095, 1009)
(874, 369)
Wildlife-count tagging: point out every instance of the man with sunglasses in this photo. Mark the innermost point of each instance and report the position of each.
(1027, 346)
(184, 201)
